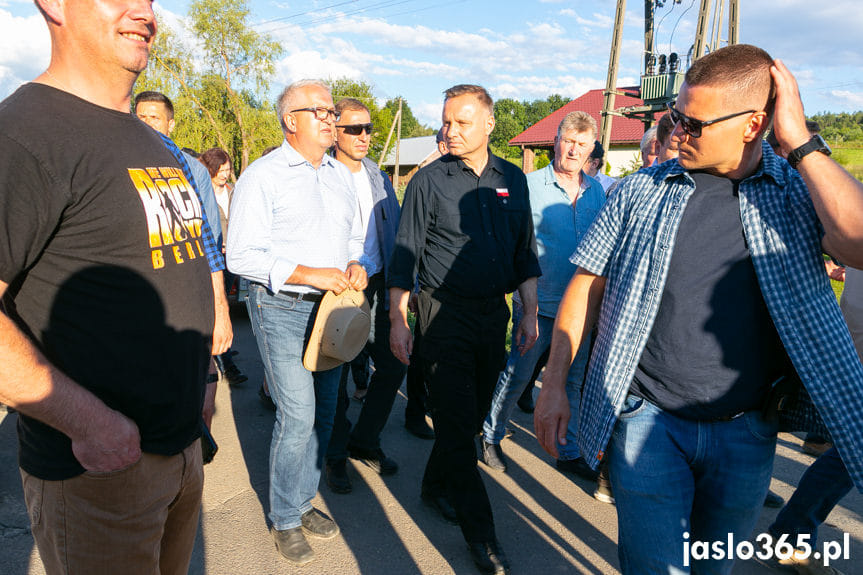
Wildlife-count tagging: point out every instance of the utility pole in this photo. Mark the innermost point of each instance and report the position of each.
(396, 120)
(701, 28)
(733, 21)
(611, 81)
(398, 146)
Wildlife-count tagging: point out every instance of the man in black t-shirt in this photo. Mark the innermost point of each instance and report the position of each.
(108, 269)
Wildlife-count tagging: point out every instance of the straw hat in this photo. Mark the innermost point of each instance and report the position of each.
(340, 332)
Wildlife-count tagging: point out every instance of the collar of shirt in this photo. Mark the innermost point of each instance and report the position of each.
(294, 158)
(454, 163)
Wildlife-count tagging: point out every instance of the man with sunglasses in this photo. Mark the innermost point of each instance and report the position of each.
(707, 284)
(379, 210)
(296, 233)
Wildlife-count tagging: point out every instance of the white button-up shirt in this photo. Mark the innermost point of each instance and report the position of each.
(286, 213)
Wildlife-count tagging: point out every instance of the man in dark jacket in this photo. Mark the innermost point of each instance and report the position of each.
(379, 209)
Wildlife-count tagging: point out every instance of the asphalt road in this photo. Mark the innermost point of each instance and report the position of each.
(547, 522)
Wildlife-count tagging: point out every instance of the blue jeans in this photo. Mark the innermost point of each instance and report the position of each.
(517, 374)
(671, 476)
(820, 489)
(305, 401)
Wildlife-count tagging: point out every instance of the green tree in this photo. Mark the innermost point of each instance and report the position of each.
(238, 60)
(510, 120)
(411, 127)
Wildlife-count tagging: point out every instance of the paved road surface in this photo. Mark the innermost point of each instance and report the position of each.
(547, 522)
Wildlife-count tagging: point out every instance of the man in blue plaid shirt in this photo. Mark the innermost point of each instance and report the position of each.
(705, 279)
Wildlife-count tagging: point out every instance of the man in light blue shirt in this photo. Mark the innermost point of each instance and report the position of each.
(564, 201)
(295, 233)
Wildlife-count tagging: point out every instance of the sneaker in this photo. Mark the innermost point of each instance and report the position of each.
(603, 491)
(292, 545)
(318, 524)
(374, 458)
(578, 466)
(492, 455)
(337, 477)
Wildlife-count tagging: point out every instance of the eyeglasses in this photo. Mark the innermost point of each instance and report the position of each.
(692, 126)
(356, 129)
(320, 113)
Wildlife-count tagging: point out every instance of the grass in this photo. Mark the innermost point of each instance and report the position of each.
(851, 158)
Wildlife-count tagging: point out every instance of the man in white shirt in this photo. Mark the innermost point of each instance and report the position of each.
(296, 233)
(379, 210)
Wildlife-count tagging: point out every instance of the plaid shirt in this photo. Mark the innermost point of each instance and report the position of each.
(631, 243)
(214, 252)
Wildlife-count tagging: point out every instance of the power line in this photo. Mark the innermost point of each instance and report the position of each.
(671, 39)
(317, 20)
(304, 13)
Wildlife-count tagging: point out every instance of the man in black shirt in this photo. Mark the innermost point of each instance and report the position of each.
(466, 229)
(108, 267)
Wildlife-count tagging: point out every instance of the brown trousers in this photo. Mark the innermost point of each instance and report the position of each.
(140, 520)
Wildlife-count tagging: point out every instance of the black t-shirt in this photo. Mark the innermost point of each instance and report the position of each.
(101, 246)
(713, 350)
(467, 234)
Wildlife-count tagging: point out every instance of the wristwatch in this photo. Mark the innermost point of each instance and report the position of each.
(815, 144)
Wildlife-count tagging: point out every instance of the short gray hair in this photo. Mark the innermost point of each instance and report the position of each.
(579, 122)
(649, 136)
(286, 98)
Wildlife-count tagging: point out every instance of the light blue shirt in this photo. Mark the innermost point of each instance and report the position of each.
(559, 226)
(286, 213)
(631, 243)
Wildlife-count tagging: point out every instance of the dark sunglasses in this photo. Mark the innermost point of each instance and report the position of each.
(320, 113)
(693, 127)
(356, 129)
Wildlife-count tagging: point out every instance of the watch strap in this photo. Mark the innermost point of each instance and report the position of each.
(815, 144)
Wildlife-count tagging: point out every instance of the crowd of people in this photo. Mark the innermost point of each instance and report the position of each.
(683, 314)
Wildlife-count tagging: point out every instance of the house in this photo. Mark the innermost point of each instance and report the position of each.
(414, 153)
(626, 133)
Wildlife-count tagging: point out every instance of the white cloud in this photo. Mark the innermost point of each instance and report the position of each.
(567, 12)
(597, 20)
(848, 99)
(428, 113)
(312, 64)
(25, 49)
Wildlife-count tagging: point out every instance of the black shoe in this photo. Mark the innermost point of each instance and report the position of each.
(266, 399)
(318, 524)
(234, 375)
(773, 501)
(443, 507)
(292, 545)
(489, 557)
(418, 427)
(492, 455)
(337, 477)
(526, 404)
(374, 458)
(578, 466)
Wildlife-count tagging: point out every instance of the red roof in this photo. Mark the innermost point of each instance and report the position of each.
(623, 130)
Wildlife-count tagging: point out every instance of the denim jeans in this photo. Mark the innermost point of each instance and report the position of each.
(820, 489)
(672, 476)
(517, 374)
(305, 402)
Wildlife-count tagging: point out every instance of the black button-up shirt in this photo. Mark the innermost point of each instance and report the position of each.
(466, 234)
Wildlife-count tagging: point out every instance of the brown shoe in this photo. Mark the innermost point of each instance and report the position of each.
(815, 449)
(292, 545)
(318, 524)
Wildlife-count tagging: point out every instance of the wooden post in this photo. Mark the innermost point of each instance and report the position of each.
(611, 81)
(398, 146)
(527, 157)
(396, 119)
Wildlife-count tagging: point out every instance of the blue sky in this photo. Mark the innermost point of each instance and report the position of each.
(518, 49)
